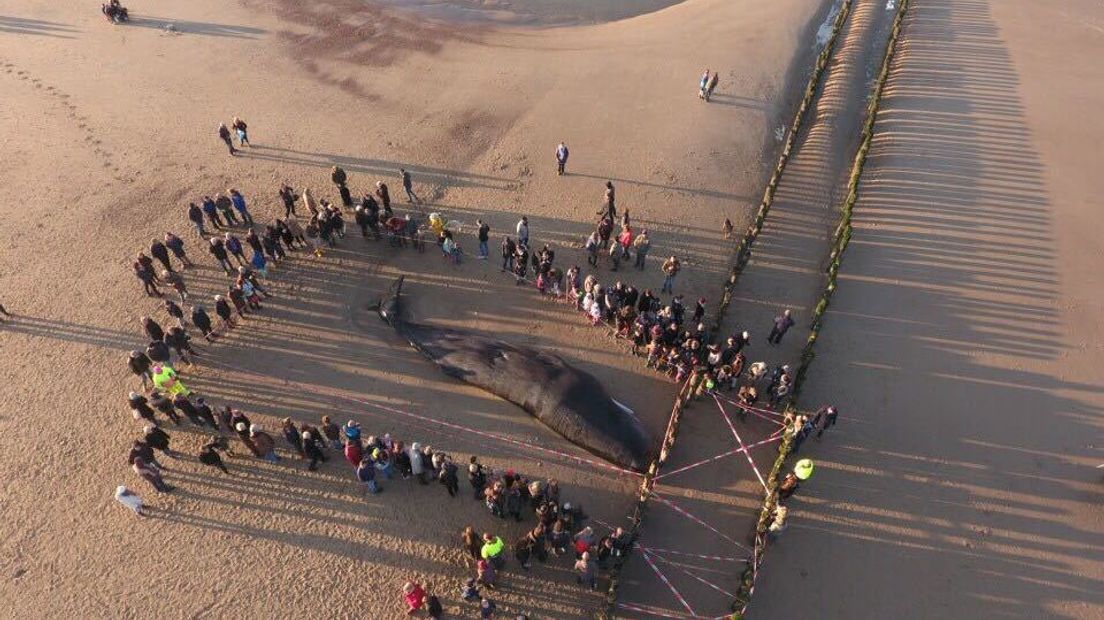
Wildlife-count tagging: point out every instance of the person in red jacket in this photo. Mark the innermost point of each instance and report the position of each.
(415, 597)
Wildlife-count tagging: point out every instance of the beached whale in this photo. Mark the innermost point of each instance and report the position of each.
(567, 400)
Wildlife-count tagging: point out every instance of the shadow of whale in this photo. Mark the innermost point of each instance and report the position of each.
(565, 399)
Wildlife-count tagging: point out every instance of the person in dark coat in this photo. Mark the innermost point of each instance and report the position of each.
(141, 450)
(208, 455)
(140, 364)
(205, 413)
(176, 246)
(233, 245)
(312, 447)
(164, 405)
(147, 277)
(161, 253)
(185, 406)
(384, 197)
(338, 176)
(158, 440)
(139, 407)
(226, 206)
(224, 312)
(195, 215)
(293, 436)
(287, 195)
(180, 342)
(449, 478)
(203, 321)
(210, 209)
(217, 248)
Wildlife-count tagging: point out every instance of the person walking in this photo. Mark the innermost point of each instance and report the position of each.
(224, 135)
(238, 201)
(825, 419)
(671, 268)
(522, 230)
(610, 209)
(782, 324)
(408, 186)
(703, 84)
(484, 235)
(712, 85)
(176, 246)
(242, 130)
(562, 154)
(195, 216)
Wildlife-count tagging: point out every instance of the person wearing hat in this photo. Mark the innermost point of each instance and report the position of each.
(264, 445)
(130, 499)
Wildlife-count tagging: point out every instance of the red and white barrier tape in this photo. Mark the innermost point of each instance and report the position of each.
(743, 448)
(686, 514)
(667, 582)
(770, 439)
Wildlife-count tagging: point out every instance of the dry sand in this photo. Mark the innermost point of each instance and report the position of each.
(963, 343)
(109, 131)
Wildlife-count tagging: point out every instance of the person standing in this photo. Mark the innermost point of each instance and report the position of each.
(611, 209)
(782, 324)
(587, 571)
(366, 474)
(161, 253)
(150, 474)
(195, 216)
(242, 130)
(224, 135)
(703, 84)
(238, 201)
(408, 186)
(226, 206)
(176, 245)
(508, 251)
(484, 235)
(561, 158)
(233, 245)
(218, 250)
(641, 244)
(671, 268)
(384, 196)
(414, 596)
(129, 499)
(523, 231)
(176, 281)
(211, 210)
(338, 176)
(287, 195)
(146, 275)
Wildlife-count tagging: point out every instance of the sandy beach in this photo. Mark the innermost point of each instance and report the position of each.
(110, 132)
(962, 346)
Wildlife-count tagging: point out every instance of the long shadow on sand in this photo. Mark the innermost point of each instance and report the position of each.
(209, 29)
(959, 487)
(23, 25)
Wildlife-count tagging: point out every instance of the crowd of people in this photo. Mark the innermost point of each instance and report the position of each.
(245, 250)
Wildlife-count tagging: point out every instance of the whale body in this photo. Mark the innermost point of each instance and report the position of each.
(565, 399)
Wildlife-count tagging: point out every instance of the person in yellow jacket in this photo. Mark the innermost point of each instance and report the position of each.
(493, 550)
(165, 379)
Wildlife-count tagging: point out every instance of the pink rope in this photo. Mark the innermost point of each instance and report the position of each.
(667, 582)
(679, 510)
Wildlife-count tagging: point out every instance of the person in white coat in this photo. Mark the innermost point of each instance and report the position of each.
(129, 499)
